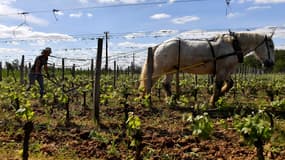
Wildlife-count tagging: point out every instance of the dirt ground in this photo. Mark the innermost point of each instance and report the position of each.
(165, 135)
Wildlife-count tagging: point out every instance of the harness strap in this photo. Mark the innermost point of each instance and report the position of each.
(237, 48)
(267, 47)
(178, 68)
(179, 54)
(214, 57)
(224, 56)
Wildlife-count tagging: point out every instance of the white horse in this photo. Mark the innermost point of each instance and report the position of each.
(218, 57)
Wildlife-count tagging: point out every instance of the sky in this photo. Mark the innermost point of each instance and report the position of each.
(71, 27)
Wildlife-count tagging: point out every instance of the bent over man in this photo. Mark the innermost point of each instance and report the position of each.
(35, 72)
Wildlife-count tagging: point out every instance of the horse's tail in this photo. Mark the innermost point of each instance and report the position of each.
(143, 76)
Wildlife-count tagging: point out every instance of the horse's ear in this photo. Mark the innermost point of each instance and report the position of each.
(231, 33)
(273, 32)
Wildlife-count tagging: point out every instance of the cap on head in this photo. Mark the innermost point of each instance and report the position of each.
(47, 50)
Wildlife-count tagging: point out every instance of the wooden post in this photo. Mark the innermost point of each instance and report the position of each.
(53, 69)
(73, 71)
(7, 70)
(62, 70)
(196, 80)
(128, 70)
(133, 65)
(106, 63)
(209, 80)
(96, 91)
(84, 101)
(92, 70)
(92, 76)
(115, 75)
(0, 71)
(149, 70)
(196, 88)
(22, 70)
(29, 70)
(26, 71)
(235, 87)
(118, 71)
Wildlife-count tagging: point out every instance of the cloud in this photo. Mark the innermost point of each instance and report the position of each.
(135, 45)
(131, 1)
(7, 2)
(75, 15)
(160, 33)
(10, 54)
(262, 1)
(35, 20)
(282, 46)
(160, 16)
(135, 35)
(89, 15)
(24, 32)
(4, 51)
(258, 7)
(60, 13)
(11, 12)
(79, 15)
(200, 34)
(269, 1)
(83, 1)
(185, 19)
(279, 31)
(166, 32)
(233, 15)
(121, 1)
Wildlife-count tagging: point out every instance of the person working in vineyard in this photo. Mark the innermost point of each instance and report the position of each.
(35, 72)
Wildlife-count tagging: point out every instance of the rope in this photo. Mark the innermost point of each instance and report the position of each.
(54, 11)
(181, 69)
(56, 83)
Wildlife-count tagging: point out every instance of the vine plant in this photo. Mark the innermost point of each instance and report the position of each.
(256, 130)
(201, 125)
(134, 133)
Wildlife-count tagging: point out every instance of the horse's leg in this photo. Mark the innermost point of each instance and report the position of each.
(144, 84)
(217, 90)
(167, 84)
(229, 83)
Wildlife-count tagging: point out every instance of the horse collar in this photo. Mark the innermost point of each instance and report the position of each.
(267, 47)
(237, 48)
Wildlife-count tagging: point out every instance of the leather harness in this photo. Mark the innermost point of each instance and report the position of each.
(237, 52)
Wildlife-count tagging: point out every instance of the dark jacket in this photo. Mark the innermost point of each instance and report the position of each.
(40, 61)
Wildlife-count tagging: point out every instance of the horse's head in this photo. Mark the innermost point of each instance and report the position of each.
(265, 51)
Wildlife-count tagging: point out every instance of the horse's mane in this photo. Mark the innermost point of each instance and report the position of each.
(243, 35)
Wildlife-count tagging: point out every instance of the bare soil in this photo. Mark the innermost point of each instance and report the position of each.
(165, 136)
